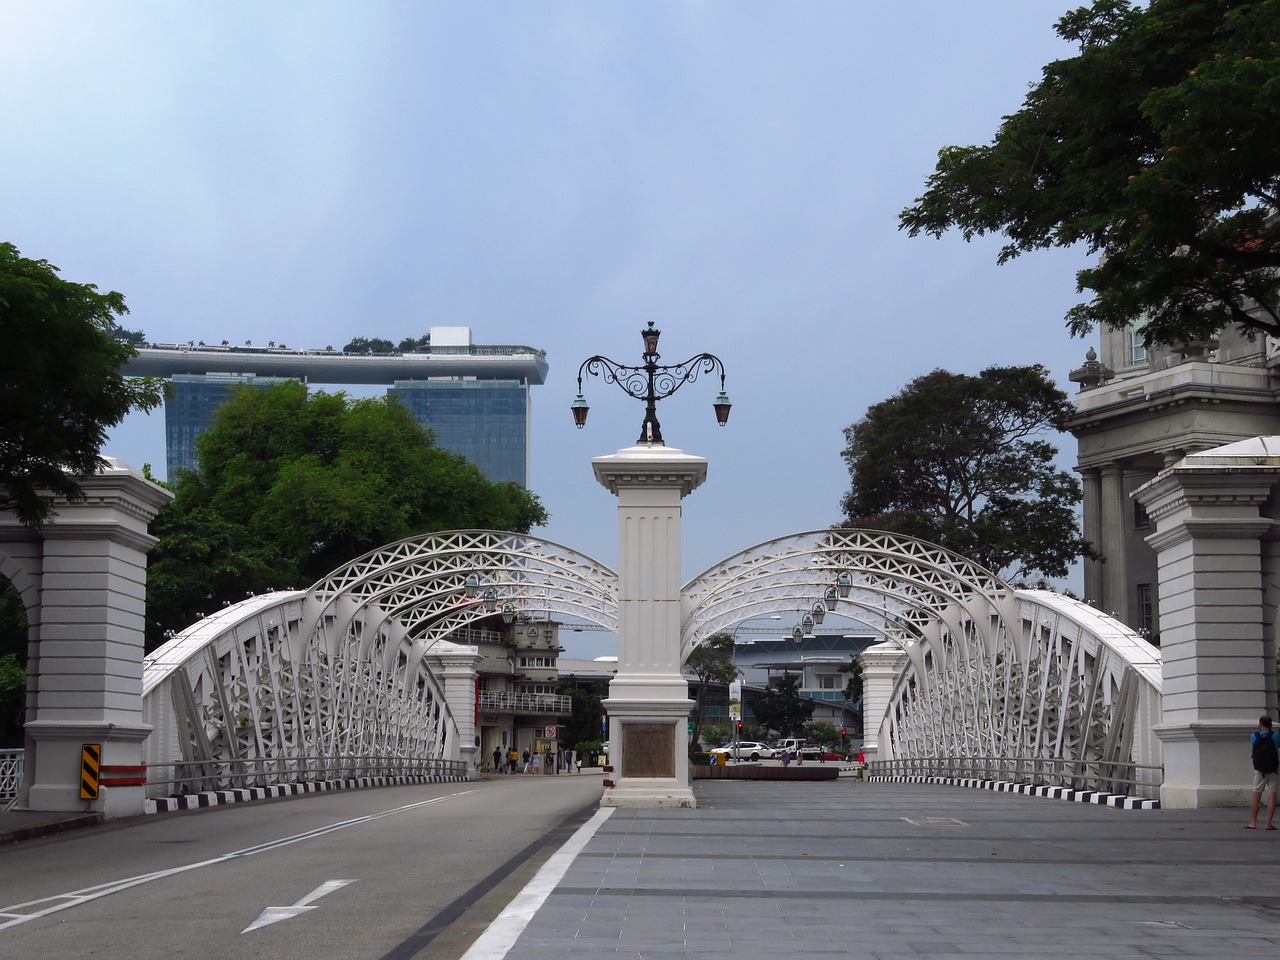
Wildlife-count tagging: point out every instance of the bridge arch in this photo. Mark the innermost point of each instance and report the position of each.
(981, 669)
(360, 666)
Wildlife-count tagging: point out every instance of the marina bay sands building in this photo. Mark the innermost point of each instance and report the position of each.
(474, 398)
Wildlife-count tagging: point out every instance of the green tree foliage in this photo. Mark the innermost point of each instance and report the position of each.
(962, 461)
(716, 734)
(781, 708)
(583, 723)
(712, 663)
(853, 681)
(292, 485)
(60, 383)
(1157, 146)
(13, 665)
(822, 733)
(369, 345)
(414, 344)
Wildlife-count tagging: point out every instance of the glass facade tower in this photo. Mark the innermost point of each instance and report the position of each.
(487, 421)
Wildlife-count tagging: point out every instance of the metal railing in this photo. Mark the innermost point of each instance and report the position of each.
(200, 776)
(10, 773)
(1102, 776)
(508, 702)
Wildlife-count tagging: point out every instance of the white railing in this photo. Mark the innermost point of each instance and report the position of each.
(10, 773)
(505, 702)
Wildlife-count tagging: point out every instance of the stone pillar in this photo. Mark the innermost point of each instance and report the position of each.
(458, 670)
(1114, 597)
(1217, 672)
(88, 676)
(1093, 533)
(648, 701)
(881, 665)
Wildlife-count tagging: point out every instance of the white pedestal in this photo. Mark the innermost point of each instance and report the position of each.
(648, 700)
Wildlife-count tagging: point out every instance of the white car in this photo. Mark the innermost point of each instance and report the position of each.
(746, 750)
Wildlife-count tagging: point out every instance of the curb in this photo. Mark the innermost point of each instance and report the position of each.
(217, 798)
(1118, 801)
(48, 828)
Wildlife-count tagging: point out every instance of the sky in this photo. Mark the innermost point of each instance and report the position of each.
(553, 174)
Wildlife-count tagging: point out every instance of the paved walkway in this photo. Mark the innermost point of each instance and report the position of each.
(769, 870)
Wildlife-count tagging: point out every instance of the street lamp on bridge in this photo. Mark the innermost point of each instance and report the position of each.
(650, 382)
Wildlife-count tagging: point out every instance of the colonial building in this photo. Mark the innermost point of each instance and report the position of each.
(1140, 410)
(516, 702)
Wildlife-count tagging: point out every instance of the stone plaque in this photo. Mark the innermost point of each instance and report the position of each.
(648, 750)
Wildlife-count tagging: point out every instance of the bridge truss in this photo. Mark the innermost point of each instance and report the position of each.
(345, 678)
(986, 670)
(351, 673)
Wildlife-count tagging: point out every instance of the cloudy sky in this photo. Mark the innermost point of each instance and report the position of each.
(550, 174)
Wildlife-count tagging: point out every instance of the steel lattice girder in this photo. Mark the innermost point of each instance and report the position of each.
(988, 670)
(343, 669)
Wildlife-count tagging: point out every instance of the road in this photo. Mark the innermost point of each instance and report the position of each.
(397, 872)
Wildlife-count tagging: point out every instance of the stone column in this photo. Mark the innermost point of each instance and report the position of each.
(1114, 597)
(881, 665)
(457, 668)
(88, 677)
(648, 701)
(1216, 669)
(1092, 482)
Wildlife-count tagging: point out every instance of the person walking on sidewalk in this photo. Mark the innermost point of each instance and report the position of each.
(1266, 763)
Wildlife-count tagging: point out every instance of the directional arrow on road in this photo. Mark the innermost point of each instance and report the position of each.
(272, 914)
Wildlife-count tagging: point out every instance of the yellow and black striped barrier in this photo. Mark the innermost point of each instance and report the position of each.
(90, 768)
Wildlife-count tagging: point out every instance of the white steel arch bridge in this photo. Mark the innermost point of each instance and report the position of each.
(364, 672)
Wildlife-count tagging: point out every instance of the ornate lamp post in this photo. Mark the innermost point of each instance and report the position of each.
(648, 701)
(650, 382)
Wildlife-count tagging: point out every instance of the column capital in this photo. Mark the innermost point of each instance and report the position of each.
(651, 466)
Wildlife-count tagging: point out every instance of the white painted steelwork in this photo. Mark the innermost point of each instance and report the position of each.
(352, 666)
(989, 670)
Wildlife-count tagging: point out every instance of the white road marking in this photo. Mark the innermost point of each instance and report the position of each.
(34, 909)
(501, 935)
(274, 914)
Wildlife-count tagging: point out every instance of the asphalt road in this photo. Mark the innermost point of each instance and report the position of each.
(388, 873)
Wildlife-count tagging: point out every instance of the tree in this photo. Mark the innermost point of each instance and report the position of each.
(962, 461)
(584, 719)
(292, 485)
(711, 662)
(781, 708)
(13, 665)
(1158, 147)
(61, 387)
(853, 684)
(369, 345)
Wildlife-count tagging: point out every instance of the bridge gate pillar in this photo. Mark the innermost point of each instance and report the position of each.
(1215, 543)
(648, 701)
(85, 667)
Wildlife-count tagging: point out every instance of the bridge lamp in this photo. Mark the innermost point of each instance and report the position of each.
(807, 623)
(579, 409)
(819, 611)
(844, 583)
(490, 599)
(471, 586)
(830, 598)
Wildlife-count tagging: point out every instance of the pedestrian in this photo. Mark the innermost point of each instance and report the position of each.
(546, 762)
(578, 757)
(537, 764)
(1266, 763)
(497, 759)
(785, 758)
(526, 761)
(513, 758)
(862, 757)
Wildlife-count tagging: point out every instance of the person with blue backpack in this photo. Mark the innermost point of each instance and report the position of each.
(1266, 763)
